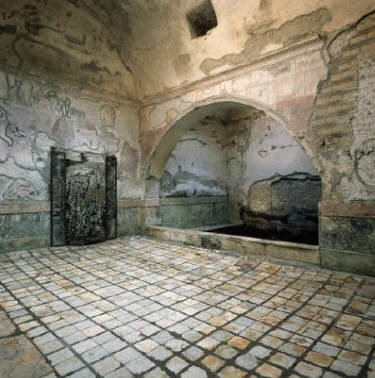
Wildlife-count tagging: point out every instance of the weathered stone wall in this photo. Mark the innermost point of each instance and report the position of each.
(34, 116)
(272, 183)
(166, 56)
(333, 121)
(67, 81)
(190, 214)
(284, 87)
(192, 192)
(342, 132)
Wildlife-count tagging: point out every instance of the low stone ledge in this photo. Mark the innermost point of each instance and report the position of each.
(353, 262)
(24, 207)
(128, 203)
(303, 253)
(174, 201)
(30, 207)
(354, 209)
(8, 245)
(143, 203)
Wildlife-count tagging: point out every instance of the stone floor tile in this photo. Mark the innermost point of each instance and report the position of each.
(192, 336)
(69, 366)
(260, 352)
(122, 372)
(208, 343)
(176, 345)
(133, 337)
(271, 341)
(193, 353)
(330, 374)
(212, 363)
(156, 373)
(146, 346)
(140, 365)
(84, 346)
(238, 342)
(60, 356)
(47, 337)
(127, 355)
(293, 349)
(222, 335)
(93, 331)
(194, 372)
(348, 322)
(176, 364)
(267, 370)
(231, 372)
(352, 357)
(94, 354)
(51, 347)
(160, 353)
(319, 359)
(282, 360)
(226, 352)
(83, 373)
(162, 337)
(103, 338)
(106, 365)
(75, 338)
(136, 301)
(327, 349)
(336, 336)
(247, 361)
(308, 370)
(20, 358)
(347, 367)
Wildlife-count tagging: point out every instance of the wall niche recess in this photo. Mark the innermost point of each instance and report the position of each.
(83, 196)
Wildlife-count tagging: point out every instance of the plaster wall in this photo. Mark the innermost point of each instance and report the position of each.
(73, 72)
(196, 166)
(284, 87)
(272, 183)
(165, 56)
(34, 116)
(259, 147)
(342, 133)
(64, 41)
(251, 158)
(326, 104)
(196, 169)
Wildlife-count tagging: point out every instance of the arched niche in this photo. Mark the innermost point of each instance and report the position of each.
(247, 192)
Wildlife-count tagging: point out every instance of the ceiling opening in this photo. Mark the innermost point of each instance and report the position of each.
(201, 19)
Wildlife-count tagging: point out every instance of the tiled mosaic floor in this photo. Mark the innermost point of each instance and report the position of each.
(144, 308)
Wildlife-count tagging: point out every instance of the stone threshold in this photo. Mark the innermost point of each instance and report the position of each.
(303, 253)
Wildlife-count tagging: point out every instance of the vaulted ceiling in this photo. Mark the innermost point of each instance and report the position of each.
(137, 48)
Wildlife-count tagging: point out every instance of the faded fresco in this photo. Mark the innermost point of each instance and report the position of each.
(196, 166)
(65, 41)
(35, 117)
